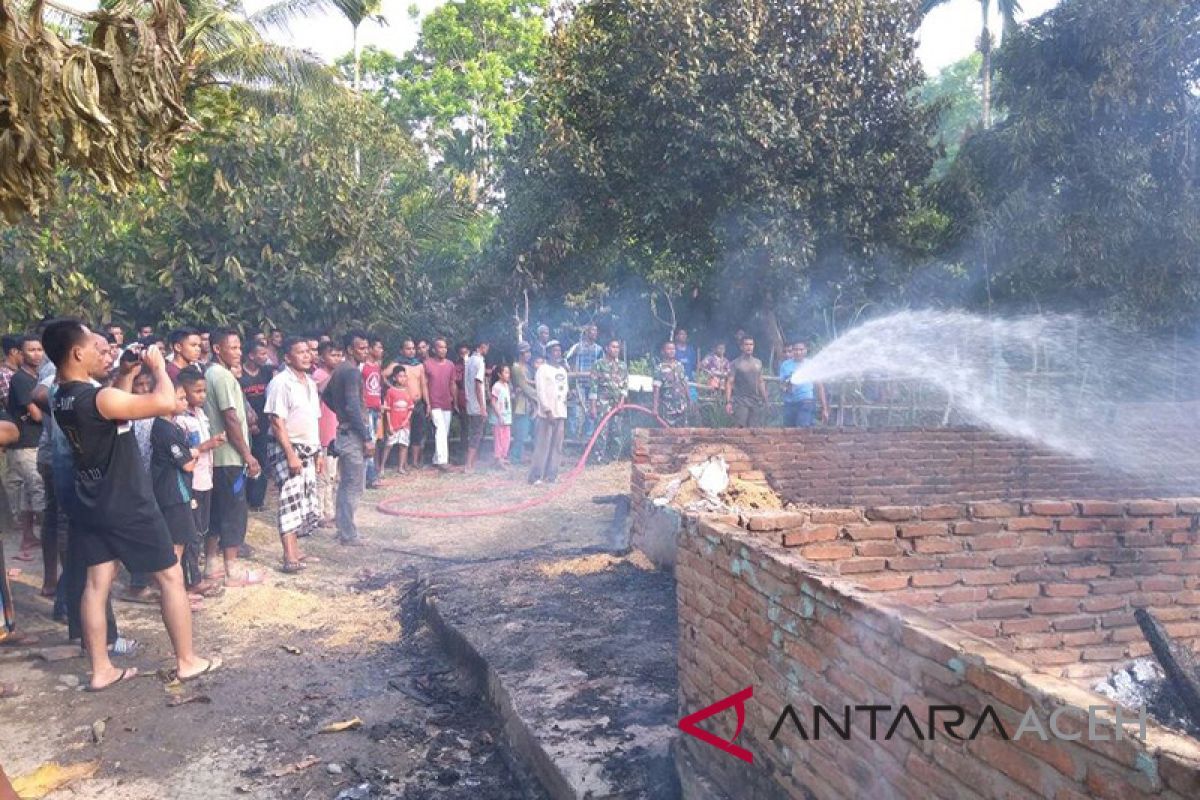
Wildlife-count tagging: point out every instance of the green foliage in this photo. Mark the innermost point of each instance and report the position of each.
(716, 146)
(466, 81)
(1086, 196)
(957, 95)
(267, 219)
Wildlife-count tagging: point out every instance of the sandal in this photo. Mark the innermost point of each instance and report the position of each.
(18, 640)
(292, 567)
(250, 578)
(206, 588)
(214, 664)
(127, 674)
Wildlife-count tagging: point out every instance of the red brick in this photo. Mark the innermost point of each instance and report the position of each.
(1052, 508)
(967, 561)
(1078, 524)
(1038, 575)
(1188, 598)
(1088, 572)
(1117, 619)
(912, 563)
(1113, 586)
(1150, 508)
(878, 549)
(1030, 524)
(880, 531)
(1162, 554)
(1008, 609)
(1066, 590)
(810, 534)
(827, 552)
(912, 530)
(976, 528)
(853, 566)
(937, 544)
(995, 685)
(1188, 505)
(1018, 558)
(1026, 591)
(1128, 525)
(1009, 759)
(776, 520)
(1075, 622)
(1032, 625)
(995, 509)
(934, 579)
(1104, 653)
(988, 578)
(942, 511)
(1172, 524)
(1054, 658)
(835, 516)
(1054, 605)
(1162, 583)
(963, 594)
(1100, 508)
(894, 513)
(1037, 641)
(1093, 539)
(994, 541)
(883, 583)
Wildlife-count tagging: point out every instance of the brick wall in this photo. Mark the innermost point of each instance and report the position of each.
(753, 612)
(847, 466)
(1055, 582)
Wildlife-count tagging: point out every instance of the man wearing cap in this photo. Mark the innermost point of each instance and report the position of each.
(552, 387)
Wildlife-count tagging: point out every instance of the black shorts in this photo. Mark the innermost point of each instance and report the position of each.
(229, 513)
(418, 423)
(203, 511)
(142, 544)
(475, 427)
(181, 523)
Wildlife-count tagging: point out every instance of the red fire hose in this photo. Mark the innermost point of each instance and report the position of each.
(391, 505)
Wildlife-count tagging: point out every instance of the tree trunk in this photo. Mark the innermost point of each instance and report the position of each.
(774, 333)
(985, 49)
(357, 90)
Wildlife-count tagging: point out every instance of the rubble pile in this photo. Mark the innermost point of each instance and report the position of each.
(708, 487)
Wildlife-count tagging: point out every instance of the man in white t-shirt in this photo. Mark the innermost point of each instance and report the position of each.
(294, 408)
(552, 388)
(475, 380)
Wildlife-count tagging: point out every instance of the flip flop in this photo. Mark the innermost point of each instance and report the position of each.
(18, 640)
(292, 567)
(127, 674)
(214, 664)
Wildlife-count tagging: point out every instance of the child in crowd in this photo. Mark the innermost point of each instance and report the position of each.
(196, 422)
(502, 409)
(172, 460)
(398, 408)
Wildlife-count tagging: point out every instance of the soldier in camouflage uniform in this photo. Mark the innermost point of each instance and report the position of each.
(610, 386)
(672, 399)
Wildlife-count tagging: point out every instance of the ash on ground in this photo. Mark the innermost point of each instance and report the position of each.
(1142, 685)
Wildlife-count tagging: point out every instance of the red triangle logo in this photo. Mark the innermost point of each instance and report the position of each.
(738, 701)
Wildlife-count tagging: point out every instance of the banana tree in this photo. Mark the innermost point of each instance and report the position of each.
(1008, 14)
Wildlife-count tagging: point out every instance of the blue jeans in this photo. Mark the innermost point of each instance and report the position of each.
(351, 482)
(521, 427)
(373, 424)
(799, 415)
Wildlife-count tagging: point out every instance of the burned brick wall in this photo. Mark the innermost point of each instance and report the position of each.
(807, 612)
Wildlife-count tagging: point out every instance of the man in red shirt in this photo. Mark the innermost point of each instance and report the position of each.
(329, 357)
(440, 376)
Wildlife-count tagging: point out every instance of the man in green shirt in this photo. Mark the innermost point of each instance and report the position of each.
(610, 386)
(233, 462)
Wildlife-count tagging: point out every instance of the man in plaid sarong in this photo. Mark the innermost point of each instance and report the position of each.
(294, 408)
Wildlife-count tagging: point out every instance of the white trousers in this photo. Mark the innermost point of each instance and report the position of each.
(441, 435)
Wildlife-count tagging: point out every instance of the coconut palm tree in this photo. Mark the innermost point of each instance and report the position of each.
(226, 46)
(356, 12)
(1008, 13)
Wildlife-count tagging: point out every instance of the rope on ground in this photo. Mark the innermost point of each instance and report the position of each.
(391, 505)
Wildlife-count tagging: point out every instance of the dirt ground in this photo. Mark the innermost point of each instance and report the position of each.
(341, 641)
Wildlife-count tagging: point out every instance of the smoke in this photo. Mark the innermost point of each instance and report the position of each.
(1063, 382)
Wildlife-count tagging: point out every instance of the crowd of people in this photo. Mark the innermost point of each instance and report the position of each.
(151, 453)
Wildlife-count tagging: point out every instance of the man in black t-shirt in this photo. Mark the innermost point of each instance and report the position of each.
(256, 376)
(116, 513)
(22, 481)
